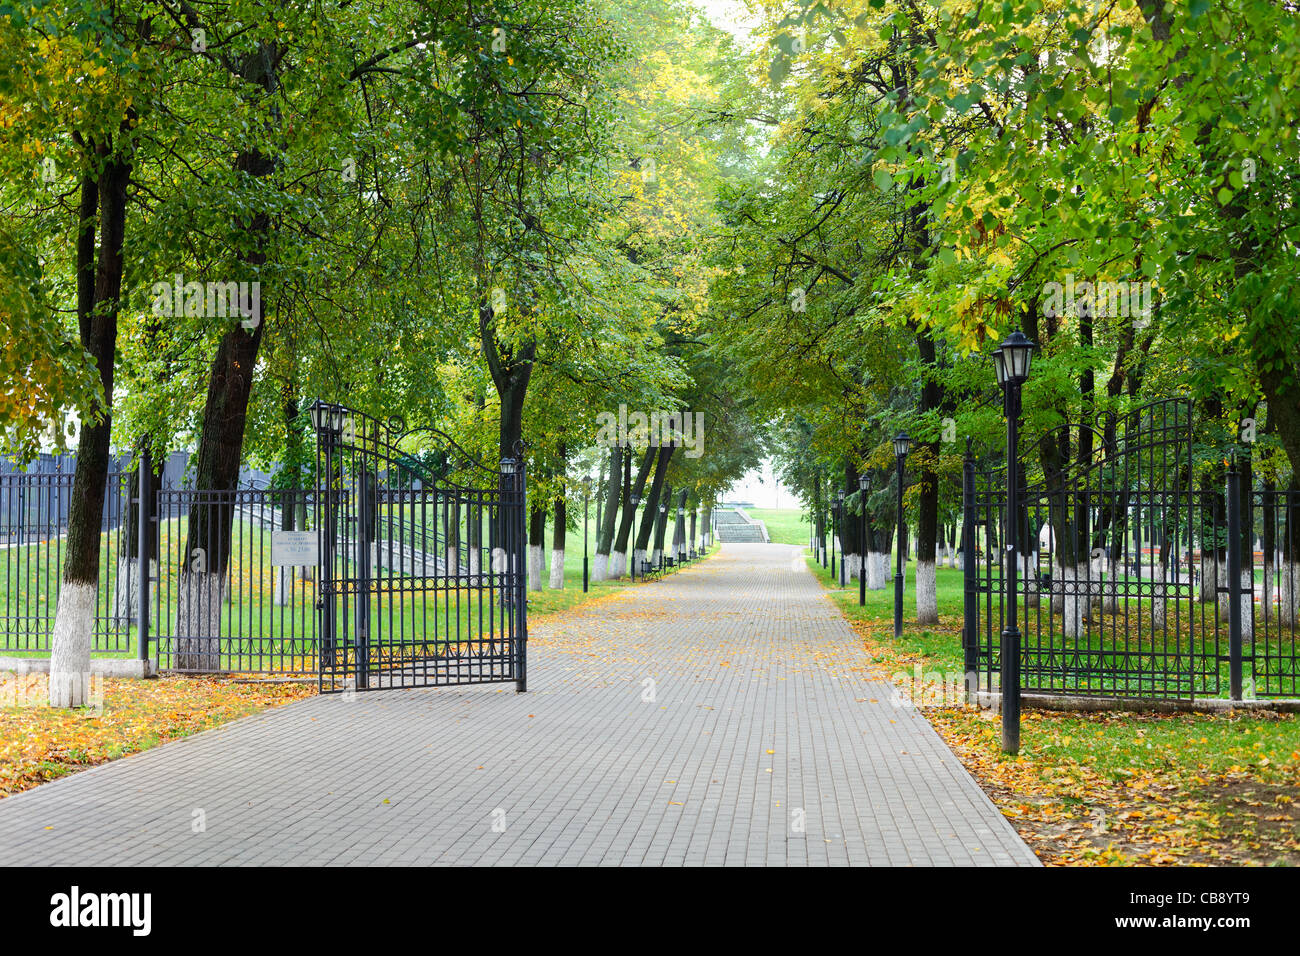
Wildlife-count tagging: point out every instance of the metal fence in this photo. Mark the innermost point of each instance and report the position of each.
(1148, 572)
(411, 577)
(422, 568)
(263, 615)
(32, 543)
(222, 600)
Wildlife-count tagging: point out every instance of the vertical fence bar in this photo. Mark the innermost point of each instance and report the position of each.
(361, 638)
(521, 620)
(970, 605)
(143, 512)
(1234, 578)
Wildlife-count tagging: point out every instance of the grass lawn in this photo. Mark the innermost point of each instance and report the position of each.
(1105, 788)
(270, 635)
(784, 525)
(547, 601)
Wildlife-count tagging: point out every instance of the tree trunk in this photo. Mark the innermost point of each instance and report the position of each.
(1288, 588)
(202, 585)
(649, 527)
(605, 536)
(927, 517)
(679, 527)
(536, 543)
(98, 304)
(878, 546)
(557, 544)
(851, 525)
(661, 528)
(618, 556)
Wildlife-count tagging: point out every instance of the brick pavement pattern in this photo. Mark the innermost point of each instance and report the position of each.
(722, 716)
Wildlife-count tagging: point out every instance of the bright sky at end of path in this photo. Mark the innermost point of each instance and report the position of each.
(762, 488)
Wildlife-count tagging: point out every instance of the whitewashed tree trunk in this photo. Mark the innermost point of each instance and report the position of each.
(617, 559)
(852, 564)
(1058, 589)
(557, 569)
(1247, 610)
(599, 567)
(638, 557)
(126, 589)
(927, 597)
(1209, 577)
(1074, 605)
(1267, 590)
(1109, 587)
(1288, 593)
(536, 567)
(1028, 578)
(74, 621)
(475, 562)
(875, 570)
(199, 599)
(282, 586)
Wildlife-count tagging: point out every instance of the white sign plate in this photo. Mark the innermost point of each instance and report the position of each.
(294, 549)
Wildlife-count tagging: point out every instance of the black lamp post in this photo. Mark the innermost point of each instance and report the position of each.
(839, 502)
(821, 544)
(1012, 362)
(862, 543)
(631, 558)
(902, 444)
(835, 526)
(659, 531)
(681, 523)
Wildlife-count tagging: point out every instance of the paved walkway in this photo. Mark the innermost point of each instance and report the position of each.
(764, 744)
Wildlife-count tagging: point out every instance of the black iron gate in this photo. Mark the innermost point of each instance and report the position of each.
(421, 560)
(1139, 575)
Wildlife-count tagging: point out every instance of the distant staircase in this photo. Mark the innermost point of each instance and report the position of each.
(736, 526)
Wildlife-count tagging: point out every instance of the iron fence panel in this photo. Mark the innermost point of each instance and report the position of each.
(422, 565)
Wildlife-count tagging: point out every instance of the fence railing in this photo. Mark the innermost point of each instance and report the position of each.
(33, 541)
(220, 598)
(1205, 607)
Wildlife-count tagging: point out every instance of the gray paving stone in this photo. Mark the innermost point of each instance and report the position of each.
(747, 655)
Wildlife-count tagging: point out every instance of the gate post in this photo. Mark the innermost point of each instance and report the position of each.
(1234, 578)
(144, 513)
(365, 528)
(325, 420)
(970, 600)
(515, 532)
